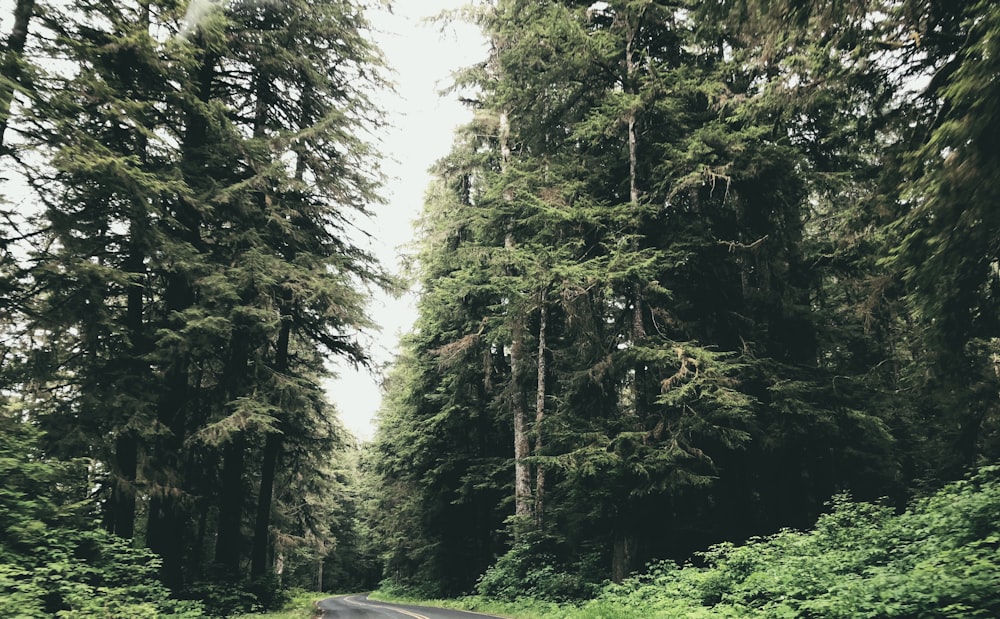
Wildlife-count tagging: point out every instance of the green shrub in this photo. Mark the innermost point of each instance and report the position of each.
(939, 559)
(54, 561)
(525, 572)
(74, 574)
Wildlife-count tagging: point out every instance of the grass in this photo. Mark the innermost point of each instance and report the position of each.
(301, 606)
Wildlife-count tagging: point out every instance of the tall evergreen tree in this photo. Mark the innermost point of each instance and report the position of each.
(208, 172)
(637, 210)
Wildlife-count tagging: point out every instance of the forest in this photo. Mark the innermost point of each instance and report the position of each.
(708, 311)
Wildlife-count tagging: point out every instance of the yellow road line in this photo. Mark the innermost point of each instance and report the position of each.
(391, 608)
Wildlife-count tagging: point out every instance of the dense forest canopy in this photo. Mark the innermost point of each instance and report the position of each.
(693, 269)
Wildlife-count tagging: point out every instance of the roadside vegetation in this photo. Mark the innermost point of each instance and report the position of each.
(939, 558)
(301, 605)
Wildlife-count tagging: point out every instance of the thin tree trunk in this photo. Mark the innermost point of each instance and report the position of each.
(522, 445)
(625, 541)
(540, 408)
(12, 59)
(123, 494)
(638, 322)
(122, 517)
(197, 569)
(631, 71)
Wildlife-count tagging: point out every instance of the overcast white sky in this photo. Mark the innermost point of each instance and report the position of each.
(423, 56)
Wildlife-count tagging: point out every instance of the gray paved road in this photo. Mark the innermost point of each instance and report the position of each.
(360, 607)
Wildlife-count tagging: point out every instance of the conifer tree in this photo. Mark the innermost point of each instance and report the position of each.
(207, 177)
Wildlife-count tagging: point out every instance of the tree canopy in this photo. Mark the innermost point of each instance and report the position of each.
(198, 177)
(702, 266)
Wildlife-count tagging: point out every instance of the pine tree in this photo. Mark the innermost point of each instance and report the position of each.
(206, 181)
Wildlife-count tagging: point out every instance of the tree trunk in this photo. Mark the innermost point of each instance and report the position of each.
(522, 446)
(166, 530)
(121, 508)
(229, 539)
(126, 454)
(262, 522)
(197, 563)
(122, 501)
(167, 537)
(638, 323)
(540, 408)
(269, 466)
(622, 556)
(12, 59)
(625, 544)
(273, 441)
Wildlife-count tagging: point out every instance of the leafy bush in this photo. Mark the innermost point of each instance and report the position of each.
(48, 570)
(938, 559)
(54, 562)
(527, 570)
(223, 599)
(301, 604)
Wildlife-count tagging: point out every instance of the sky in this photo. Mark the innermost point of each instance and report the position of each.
(423, 57)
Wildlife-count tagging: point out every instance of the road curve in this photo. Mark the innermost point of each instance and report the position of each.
(360, 607)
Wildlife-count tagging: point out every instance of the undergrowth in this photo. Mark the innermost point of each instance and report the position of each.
(938, 559)
(300, 605)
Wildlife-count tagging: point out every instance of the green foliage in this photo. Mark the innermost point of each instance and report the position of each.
(188, 269)
(53, 559)
(527, 570)
(937, 559)
(299, 605)
(633, 176)
(224, 599)
(707, 264)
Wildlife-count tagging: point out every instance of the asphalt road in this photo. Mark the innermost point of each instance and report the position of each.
(360, 607)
